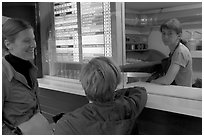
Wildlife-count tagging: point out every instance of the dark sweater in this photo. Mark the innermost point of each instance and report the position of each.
(21, 66)
(117, 117)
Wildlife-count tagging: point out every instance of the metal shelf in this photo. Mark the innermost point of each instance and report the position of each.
(137, 50)
(196, 54)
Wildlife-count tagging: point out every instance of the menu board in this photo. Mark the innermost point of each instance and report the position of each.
(96, 29)
(94, 23)
(66, 31)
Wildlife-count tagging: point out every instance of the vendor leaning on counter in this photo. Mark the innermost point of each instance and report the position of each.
(179, 71)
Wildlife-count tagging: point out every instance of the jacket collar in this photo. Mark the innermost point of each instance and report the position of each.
(8, 69)
(12, 73)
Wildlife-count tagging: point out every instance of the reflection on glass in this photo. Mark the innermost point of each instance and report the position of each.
(96, 28)
(81, 31)
(66, 32)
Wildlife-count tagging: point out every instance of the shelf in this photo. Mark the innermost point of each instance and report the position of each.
(136, 42)
(192, 24)
(137, 50)
(137, 74)
(140, 33)
(196, 54)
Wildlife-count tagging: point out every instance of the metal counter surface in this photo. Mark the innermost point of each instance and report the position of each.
(177, 99)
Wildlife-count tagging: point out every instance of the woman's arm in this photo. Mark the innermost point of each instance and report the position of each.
(170, 75)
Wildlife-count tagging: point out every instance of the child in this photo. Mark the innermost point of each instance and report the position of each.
(108, 111)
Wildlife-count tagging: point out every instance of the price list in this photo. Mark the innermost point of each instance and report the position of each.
(96, 29)
(66, 31)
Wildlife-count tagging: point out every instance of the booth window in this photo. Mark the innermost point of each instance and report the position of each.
(80, 31)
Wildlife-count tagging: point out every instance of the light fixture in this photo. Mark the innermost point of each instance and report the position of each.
(143, 19)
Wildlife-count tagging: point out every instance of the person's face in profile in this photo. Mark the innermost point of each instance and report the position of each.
(24, 45)
(169, 37)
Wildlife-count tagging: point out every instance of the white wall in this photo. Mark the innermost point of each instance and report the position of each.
(155, 42)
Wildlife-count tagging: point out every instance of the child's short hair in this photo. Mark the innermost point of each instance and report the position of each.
(172, 24)
(99, 78)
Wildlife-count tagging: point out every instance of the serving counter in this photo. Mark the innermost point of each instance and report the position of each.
(177, 99)
(169, 109)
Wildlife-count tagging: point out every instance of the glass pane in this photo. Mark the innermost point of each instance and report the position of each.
(66, 32)
(81, 31)
(96, 30)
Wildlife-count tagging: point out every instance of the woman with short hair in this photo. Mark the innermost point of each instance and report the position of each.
(179, 71)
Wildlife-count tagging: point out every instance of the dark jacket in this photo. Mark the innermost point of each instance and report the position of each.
(117, 117)
(19, 102)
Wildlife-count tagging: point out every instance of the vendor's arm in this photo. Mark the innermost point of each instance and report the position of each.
(170, 75)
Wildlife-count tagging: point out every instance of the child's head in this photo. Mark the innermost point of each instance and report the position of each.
(99, 78)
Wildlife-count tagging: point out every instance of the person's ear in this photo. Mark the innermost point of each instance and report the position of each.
(8, 44)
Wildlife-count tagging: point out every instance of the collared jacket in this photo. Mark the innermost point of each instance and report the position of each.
(19, 100)
(116, 117)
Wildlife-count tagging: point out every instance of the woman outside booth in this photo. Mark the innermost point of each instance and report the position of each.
(20, 105)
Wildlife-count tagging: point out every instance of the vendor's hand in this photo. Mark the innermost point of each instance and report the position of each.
(152, 77)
